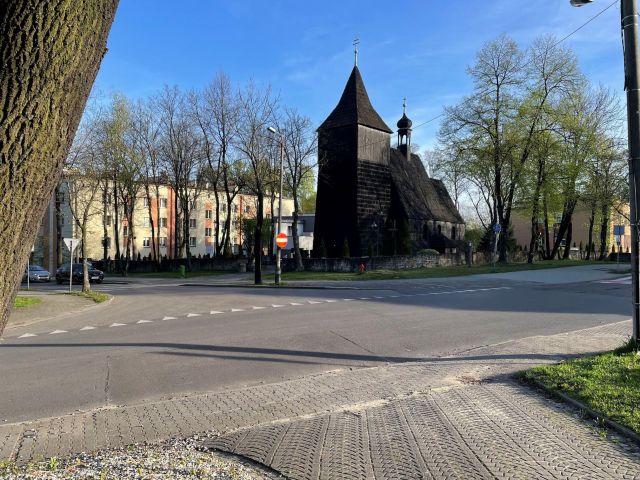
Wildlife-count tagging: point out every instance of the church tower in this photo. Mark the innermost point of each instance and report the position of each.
(354, 178)
(404, 132)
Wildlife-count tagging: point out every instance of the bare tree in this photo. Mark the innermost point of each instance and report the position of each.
(257, 110)
(83, 181)
(299, 160)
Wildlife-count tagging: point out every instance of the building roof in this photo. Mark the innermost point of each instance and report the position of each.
(354, 107)
(419, 195)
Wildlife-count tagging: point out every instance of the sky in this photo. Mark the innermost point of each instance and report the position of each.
(414, 49)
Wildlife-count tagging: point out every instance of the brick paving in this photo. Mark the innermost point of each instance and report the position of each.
(454, 417)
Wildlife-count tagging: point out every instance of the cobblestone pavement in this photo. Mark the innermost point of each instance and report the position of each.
(456, 417)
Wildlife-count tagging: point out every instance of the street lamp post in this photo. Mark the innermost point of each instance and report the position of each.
(278, 277)
(629, 12)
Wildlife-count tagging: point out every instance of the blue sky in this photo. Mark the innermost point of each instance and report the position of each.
(417, 49)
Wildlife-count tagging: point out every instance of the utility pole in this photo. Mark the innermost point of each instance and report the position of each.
(631, 66)
(629, 13)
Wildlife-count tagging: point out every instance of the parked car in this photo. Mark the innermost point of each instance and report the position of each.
(36, 274)
(62, 274)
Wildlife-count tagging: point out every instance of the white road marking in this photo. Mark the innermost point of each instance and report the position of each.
(215, 312)
(312, 301)
(193, 314)
(295, 304)
(329, 300)
(168, 318)
(57, 331)
(277, 306)
(348, 299)
(365, 298)
(88, 327)
(144, 321)
(116, 324)
(258, 308)
(28, 335)
(378, 297)
(237, 310)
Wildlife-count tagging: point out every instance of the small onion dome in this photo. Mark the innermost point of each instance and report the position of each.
(404, 123)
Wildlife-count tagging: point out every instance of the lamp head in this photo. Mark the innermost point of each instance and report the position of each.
(272, 130)
(579, 3)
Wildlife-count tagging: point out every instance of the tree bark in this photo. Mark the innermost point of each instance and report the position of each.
(258, 239)
(50, 53)
(592, 219)
(296, 236)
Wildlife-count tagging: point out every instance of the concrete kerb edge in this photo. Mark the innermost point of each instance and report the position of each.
(284, 287)
(591, 413)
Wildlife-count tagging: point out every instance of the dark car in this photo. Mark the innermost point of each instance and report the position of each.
(36, 274)
(62, 274)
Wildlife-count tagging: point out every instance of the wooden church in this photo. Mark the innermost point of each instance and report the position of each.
(375, 199)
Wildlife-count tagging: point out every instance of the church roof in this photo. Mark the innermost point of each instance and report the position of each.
(419, 195)
(354, 107)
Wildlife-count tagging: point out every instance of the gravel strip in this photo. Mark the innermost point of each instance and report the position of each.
(172, 459)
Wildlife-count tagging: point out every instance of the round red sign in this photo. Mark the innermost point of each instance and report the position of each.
(281, 240)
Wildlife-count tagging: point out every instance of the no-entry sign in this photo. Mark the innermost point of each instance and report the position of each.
(281, 240)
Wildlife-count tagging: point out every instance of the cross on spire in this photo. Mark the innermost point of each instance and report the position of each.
(404, 105)
(356, 42)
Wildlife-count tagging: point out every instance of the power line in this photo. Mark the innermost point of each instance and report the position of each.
(587, 22)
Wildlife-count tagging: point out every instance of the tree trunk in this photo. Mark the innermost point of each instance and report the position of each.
(59, 242)
(547, 237)
(592, 219)
(116, 226)
(567, 247)
(535, 213)
(105, 230)
(604, 227)
(296, 237)
(50, 53)
(258, 240)
(86, 287)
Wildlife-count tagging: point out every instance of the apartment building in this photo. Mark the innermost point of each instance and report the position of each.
(59, 222)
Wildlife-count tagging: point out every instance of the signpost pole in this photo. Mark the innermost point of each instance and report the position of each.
(70, 264)
(28, 266)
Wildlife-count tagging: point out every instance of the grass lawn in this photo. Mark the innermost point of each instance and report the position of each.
(201, 273)
(22, 302)
(434, 272)
(92, 295)
(607, 383)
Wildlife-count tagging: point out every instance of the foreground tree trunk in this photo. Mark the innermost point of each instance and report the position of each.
(50, 53)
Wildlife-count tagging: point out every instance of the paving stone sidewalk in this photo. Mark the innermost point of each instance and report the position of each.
(455, 417)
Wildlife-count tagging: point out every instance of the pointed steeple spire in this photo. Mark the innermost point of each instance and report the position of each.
(354, 107)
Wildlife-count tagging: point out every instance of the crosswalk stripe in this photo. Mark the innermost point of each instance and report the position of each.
(28, 335)
(215, 312)
(168, 318)
(193, 314)
(144, 321)
(57, 331)
(116, 324)
(88, 327)
(237, 310)
(258, 308)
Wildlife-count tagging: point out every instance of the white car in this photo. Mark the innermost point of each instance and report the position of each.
(37, 274)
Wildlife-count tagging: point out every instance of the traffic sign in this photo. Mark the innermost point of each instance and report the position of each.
(282, 240)
(71, 243)
(497, 228)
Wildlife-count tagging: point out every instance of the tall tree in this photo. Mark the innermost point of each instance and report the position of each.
(257, 113)
(50, 53)
(300, 146)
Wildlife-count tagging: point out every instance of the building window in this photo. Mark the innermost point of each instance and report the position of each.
(146, 242)
(439, 229)
(289, 230)
(108, 221)
(125, 230)
(194, 204)
(162, 241)
(163, 222)
(208, 232)
(147, 221)
(145, 201)
(107, 198)
(163, 203)
(453, 232)
(223, 206)
(208, 214)
(192, 241)
(192, 223)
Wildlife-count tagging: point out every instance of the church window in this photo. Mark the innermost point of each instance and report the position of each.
(453, 232)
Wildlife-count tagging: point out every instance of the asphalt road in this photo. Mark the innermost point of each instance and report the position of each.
(159, 339)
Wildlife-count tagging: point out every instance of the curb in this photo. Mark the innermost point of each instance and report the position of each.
(591, 413)
(282, 287)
